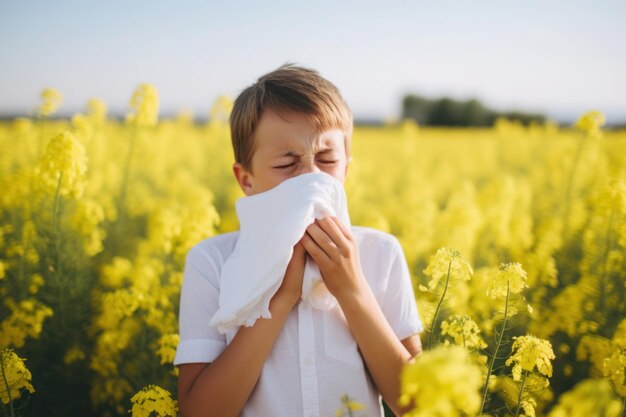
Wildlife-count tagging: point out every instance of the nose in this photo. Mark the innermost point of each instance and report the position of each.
(307, 166)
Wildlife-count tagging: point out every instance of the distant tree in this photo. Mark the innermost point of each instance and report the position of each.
(478, 115)
(449, 112)
(416, 108)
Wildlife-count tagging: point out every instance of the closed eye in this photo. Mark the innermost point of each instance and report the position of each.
(285, 166)
(327, 161)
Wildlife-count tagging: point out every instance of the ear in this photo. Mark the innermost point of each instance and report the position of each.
(244, 178)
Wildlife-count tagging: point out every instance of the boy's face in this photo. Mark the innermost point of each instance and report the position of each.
(288, 147)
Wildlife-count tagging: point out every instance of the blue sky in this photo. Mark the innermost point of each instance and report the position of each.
(557, 57)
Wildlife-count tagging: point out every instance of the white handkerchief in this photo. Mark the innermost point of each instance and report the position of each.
(270, 224)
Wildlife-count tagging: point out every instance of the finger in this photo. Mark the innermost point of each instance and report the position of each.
(329, 226)
(322, 239)
(346, 232)
(318, 255)
(298, 249)
(297, 258)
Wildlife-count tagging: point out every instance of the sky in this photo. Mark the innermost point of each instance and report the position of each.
(558, 57)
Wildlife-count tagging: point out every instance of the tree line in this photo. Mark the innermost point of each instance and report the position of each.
(449, 112)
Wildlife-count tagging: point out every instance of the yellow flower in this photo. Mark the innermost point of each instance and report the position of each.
(88, 216)
(97, 110)
(464, 331)
(534, 394)
(509, 275)
(64, 161)
(530, 353)
(614, 370)
(73, 354)
(221, 109)
(110, 344)
(114, 390)
(118, 305)
(118, 272)
(36, 281)
(589, 398)
(443, 262)
(441, 382)
(83, 128)
(595, 349)
(145, 103)
(51, 99)
(619, 337)
(590, 123)
(26, 320)
(153, 399)
(167, 347)
(15, 375)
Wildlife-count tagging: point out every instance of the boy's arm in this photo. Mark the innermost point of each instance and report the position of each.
(222, 387)
(335, 251)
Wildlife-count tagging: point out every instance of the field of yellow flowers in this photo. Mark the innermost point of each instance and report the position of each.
(515, 236)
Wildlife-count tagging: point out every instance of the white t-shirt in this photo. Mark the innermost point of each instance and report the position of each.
(315, 358)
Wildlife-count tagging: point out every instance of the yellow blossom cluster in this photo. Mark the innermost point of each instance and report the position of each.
(15, 376)
(464, 331)
(614, 370)
(25, 320)
(51, 99)
(589, 398)
(509, 278)
(145, 106)
(442, 381)
(63, 165)
(153, 399)
(590, 123)
(446, 264)
(96, 110)
(167, 347)
(531, 354)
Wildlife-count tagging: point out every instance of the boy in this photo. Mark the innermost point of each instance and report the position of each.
(302, 360)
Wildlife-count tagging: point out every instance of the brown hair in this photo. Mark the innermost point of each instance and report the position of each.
(288, 88)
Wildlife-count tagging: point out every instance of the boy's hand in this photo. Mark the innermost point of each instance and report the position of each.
(335, 252)
(291, 289)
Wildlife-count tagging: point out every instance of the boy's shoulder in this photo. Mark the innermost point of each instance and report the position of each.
(374, 239)
(217, 248)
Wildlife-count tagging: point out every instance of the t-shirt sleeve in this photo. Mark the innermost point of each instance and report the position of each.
(399, 304)
(199, 300)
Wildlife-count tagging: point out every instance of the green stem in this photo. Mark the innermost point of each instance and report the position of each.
(129, 157)
(41, 123)
(55, 210)
(607, 249)
(521, 391)
(495, 353)
(624, 407)
(434, 323)
(6, 384)
(121, 213)
(570, 186)
(56, 268)
(18, 220)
